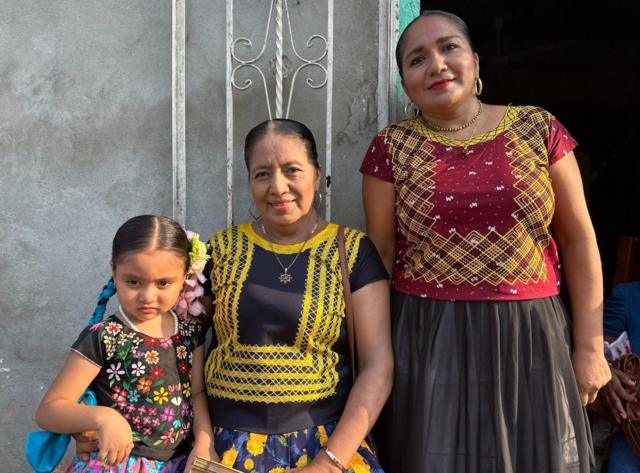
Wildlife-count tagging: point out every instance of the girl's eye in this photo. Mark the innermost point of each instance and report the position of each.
(416, 60)
(260, 175)
(132, 282)
(162, 284)
(450, 47)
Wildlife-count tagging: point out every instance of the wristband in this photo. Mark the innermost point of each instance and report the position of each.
(335, 460)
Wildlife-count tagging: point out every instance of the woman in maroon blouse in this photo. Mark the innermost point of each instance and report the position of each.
(461, 201)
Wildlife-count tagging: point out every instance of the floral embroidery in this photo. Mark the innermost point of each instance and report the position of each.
(160, 396)
(114, 371)
(137, 369)
(113, 328)
(151, 357)
(148, 379)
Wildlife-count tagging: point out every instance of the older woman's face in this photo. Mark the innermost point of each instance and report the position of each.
(438, 65)
(282, 179)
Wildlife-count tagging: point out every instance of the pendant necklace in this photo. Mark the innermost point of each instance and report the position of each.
(467, 142)
(128, 323)
(285, 277)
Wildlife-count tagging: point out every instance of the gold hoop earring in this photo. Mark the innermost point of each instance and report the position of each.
(407, 110)
(478, 87)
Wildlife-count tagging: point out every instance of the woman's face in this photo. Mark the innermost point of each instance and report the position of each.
(438, 65)
(282, 179)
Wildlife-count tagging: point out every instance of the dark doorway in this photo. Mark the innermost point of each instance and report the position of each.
(580, 61)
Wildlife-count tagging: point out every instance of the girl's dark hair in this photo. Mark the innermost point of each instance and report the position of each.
(281, 126)
(455, 19)
(143, 232)
(150, 232)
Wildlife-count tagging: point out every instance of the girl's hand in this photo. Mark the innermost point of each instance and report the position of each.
(114, 436)
(592, 372)
(86, 442)
(203, 449)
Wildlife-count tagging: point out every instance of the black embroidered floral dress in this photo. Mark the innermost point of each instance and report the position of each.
(147, 380)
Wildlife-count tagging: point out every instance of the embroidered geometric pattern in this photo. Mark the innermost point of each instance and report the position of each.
(516, 255)
(305, 371)
(414, 166)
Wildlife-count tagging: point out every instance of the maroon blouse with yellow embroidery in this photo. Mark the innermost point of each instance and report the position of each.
(474, 227)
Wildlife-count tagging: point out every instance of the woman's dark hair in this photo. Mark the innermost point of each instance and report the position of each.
(281, 126)
(150, 232)
(455, 19)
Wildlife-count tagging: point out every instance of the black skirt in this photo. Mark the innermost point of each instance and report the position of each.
(483, 387)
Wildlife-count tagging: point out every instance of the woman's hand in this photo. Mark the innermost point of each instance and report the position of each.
(114, 436)
(615, 392)
(202, 449)
(592, 372)
(320, 464)
(86, 442)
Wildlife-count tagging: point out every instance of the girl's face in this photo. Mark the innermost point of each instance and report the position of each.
(282, 179)
(438, 65)
(148, 282)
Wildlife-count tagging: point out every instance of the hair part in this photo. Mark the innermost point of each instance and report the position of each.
(284, 127)
(150, 232)
(455, 19)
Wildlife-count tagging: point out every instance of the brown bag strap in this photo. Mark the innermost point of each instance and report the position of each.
(346, 289)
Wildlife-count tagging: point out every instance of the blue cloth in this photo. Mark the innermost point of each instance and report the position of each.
(622, 312)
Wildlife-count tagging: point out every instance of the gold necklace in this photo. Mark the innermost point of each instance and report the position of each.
(285, 277)
(453, 129)
(467, 142)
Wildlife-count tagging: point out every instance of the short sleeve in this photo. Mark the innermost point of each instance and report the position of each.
(615, 313)
(377, 162)
(89, 345)
(560, 141)
(368, 266)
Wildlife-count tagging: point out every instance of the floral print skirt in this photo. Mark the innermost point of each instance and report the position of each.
(276, 453)
(134, 464)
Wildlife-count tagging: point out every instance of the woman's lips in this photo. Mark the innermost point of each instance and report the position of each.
(441, 84)
(281, 205)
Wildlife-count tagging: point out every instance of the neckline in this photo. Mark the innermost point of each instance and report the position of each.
(131, 326)
(505, 123)
(289, 249)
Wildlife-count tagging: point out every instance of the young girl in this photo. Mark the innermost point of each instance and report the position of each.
(139, 361)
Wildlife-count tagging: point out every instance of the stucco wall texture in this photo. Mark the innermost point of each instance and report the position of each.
(85, 143)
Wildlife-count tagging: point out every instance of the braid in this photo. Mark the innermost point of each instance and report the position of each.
(107, 292)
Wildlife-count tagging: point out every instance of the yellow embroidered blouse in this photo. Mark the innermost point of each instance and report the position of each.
(280, 359)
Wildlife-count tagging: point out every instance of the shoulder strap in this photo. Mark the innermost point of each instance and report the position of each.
(346, 288)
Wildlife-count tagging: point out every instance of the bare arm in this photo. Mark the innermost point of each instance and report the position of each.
(59, 410)
(581, 262)
(379, 198)
(373, 384)
(202, 430)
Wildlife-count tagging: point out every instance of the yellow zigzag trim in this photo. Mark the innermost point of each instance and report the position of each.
(305, 371)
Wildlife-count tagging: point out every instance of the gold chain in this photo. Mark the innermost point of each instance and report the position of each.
(453, 129)
(285, 277)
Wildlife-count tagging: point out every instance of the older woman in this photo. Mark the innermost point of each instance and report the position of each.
(278, 378)
(461, 201)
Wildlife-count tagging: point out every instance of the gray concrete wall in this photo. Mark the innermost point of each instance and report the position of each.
(85, 143)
